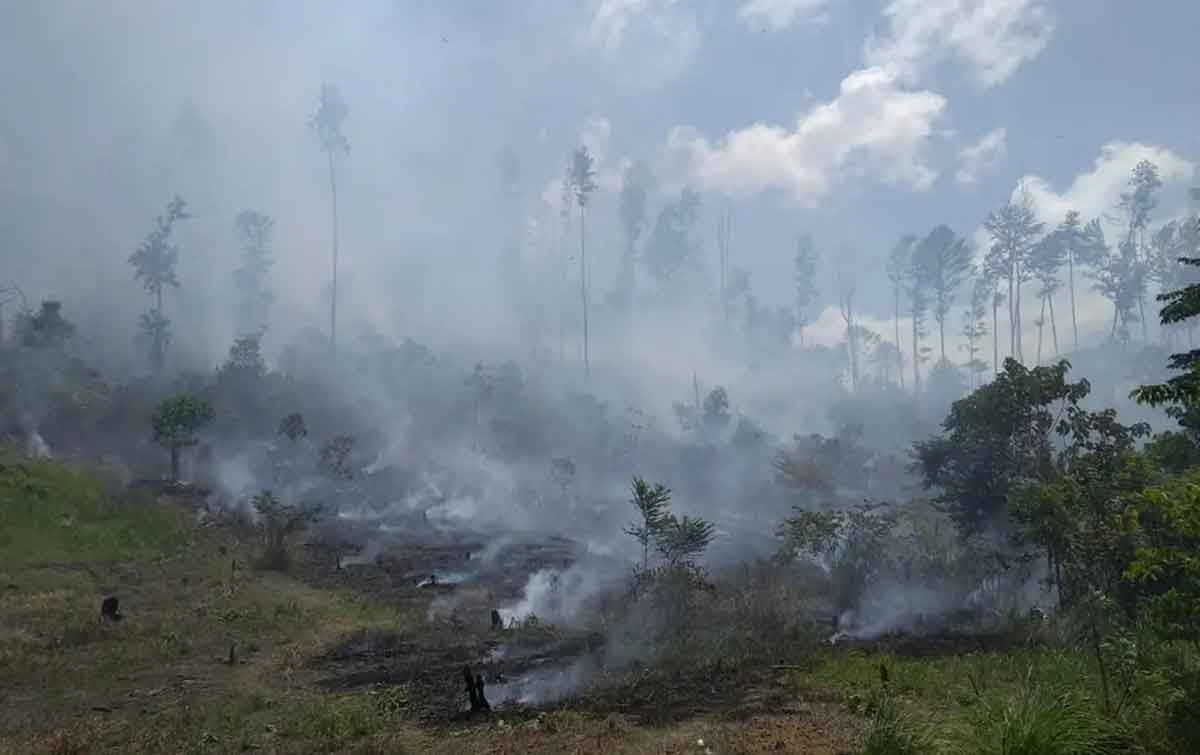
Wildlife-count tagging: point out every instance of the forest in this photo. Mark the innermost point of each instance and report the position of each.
(555, 468)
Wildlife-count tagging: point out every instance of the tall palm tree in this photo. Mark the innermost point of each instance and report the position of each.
(326, 122)
(583, 181)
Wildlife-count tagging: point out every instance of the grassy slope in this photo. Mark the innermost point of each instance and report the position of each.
(160, 680)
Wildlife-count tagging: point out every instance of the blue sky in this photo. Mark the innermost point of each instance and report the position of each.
(853, 120)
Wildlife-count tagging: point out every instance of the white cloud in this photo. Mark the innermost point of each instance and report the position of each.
(978, 158)
(1097, 192)
(993, 37)
(777, 15)
(873, 124)
(648, 42)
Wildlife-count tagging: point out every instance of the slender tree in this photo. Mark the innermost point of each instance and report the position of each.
(1079, 246)
(326, 122)
(1044, 265)
(898, 264)
(154, 265)
(846, 288)
(944, 262)
(1015, 231)
(566, 203)
(976, 327)
(1137, 203)
(583, 182)
(916, 291)
(806, 282)
(633, 207)
(997, 300)
(256, 230)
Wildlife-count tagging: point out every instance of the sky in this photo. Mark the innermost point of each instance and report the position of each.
(855, 121)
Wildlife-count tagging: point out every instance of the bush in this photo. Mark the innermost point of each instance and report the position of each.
(1040, 721)
(891, 733)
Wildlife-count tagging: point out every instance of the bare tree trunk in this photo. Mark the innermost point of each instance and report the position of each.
(1053, 326)
(174, 463)
(1071, 278)
(583, 293)
(334, 291)
(1041, 325)
(995, 336)
(1012, 315)
(942, 335)
(916, 358)
(899, 352)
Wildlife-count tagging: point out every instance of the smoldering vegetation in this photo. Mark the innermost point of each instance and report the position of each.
(592, 490)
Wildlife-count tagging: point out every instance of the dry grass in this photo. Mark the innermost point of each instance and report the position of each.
(161, 681)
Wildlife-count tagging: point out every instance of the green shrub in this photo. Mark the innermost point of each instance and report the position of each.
(891, 733)
(1040, 720)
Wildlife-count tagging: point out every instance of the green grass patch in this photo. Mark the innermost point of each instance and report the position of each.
(56, 513)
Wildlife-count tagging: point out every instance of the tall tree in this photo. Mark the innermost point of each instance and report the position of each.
(671, 250)
(1120, 277)
(255, 229)
(583, 182)
(1080, 246)
(724, 232)
(943, 260)
(997, 299)
(976, 328)
(566, 204)
(917, 292)
(1137, 203)
(846, 288)
(898, 263)
(806, 282)
(326, 122)
(154, 265)
(1044, 265)
(1181, 393)
(633, 207)
(1015, 231)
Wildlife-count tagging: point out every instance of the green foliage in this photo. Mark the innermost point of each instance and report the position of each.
(176, 422)
(680, 540)
(852, 543)
(583, 176)
(891, 733)
(154, 265)
(251, 278)
(996, 437)
(46, 329)
(278, 521)
(671, 248)
(805, 276)
(1166, 566)
(326, 122)
(942, 260)
(54, 513)
(651, 502)
(293, 427)
(334, 459)
(1040, 720)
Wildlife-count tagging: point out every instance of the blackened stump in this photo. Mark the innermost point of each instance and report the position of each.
(110, 609)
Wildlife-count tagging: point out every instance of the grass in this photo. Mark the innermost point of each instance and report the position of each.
(161, 680)
(54, 513)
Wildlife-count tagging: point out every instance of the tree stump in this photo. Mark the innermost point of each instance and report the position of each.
(474, 682)
(110, 609)
(497, 621)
